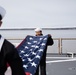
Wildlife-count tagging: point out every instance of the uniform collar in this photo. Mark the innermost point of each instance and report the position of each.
(0, 36)
(1, 42)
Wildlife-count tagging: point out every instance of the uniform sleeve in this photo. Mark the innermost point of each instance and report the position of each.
(15, 62)
(50, 40)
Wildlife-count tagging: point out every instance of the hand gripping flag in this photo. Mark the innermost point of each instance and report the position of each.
(30, 50)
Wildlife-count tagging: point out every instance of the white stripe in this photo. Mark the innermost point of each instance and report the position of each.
(1, 42)
(54, 61)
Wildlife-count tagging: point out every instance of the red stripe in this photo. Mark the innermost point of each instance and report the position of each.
(27, 73)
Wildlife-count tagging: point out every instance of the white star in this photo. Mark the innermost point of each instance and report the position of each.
(28, 43)
(45, 38)
(25, 66)
(35, 41)
(38, 42)
(22, 51)
(30, 50)
(43, 44)
(36, 46)
(33, 46)
(26, 47)
(41, 50)
(26, 55)
(33, 64)
(31, 38)
(29, 59)
(38, 56)
(33, 53)
(40, 38)
(23, 59)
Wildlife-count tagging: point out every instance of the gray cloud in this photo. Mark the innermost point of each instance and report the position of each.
(44, 13)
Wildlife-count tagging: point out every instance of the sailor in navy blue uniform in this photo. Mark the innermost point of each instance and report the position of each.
(9, 54)
(42, 64)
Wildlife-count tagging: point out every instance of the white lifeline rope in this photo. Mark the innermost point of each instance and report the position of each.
(1, 42)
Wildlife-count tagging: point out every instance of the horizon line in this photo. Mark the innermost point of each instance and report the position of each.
(61, 28)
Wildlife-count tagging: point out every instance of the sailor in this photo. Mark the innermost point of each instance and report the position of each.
(9, 54)
(42, 63)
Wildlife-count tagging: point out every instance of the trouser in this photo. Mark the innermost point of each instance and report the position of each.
(42, 66)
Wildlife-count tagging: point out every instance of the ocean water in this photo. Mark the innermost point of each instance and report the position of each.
(67, 45)
(22, 33)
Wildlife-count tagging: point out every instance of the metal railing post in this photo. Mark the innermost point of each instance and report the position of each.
(60, 45)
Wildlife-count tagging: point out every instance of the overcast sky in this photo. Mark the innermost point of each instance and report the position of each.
(39, 13)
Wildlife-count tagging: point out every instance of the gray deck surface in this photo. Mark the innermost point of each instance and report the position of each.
(61, 67)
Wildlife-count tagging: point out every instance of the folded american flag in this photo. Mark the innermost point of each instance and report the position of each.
(30, 51)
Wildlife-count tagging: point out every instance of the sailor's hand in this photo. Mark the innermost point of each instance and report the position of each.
(49, 35)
